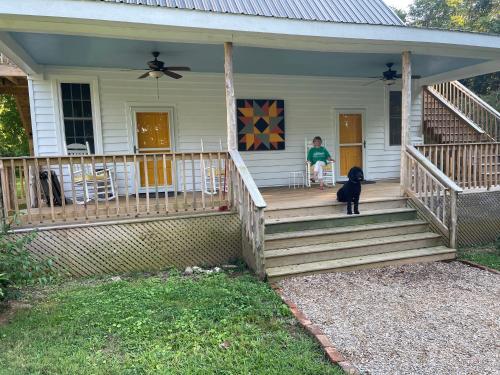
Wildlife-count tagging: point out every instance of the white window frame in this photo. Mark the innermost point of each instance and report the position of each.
(387, 114)
(96, 110)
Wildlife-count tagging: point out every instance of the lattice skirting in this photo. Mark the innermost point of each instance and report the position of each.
(142, 246)
(478, 218)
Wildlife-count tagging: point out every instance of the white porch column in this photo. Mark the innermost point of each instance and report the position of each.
(230, 100)
(405, 116)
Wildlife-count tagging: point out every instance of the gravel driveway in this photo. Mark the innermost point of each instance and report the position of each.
(435, 318)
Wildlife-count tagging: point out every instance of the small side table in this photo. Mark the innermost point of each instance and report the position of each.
(296, 179)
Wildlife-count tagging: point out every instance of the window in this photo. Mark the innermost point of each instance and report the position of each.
(395, 118)
(77, 113)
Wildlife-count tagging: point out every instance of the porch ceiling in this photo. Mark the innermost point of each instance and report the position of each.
(95, 52)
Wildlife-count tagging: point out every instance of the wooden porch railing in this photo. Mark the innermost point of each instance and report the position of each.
(249, 203)
(473, 107)
(105, 188)
(471, 165)
(434, 194)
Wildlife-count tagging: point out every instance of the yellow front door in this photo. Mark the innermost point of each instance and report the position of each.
(350, 142)
(153, 137)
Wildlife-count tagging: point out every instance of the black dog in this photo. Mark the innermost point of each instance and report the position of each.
(351, 190)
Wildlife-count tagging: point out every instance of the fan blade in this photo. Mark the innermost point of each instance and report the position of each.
(371, 82)
(412, 77)
(144, 75)
(179, 68)
(132, 70)
(171, 74)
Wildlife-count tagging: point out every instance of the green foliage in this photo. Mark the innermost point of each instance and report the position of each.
(17, 265)
(466, 15)
(488, 256)
(214, 324)
(13, 139)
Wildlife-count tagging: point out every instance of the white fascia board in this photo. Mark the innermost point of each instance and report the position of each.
(252, 30)
(467, 72)
(18, 55)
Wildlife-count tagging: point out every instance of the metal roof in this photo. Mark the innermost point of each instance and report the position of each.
(374, 12)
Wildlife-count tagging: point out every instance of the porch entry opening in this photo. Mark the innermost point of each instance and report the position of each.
(350, 142)
(154, 136)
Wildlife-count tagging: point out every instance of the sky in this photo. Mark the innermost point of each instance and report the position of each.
(400, 4)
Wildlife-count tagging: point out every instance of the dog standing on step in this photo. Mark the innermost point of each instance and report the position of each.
(351, 190)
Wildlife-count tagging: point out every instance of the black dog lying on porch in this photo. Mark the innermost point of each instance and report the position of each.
(351, 190)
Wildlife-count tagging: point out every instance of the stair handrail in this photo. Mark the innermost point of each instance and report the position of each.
(476, 98)
(428, 189)
(247, 200)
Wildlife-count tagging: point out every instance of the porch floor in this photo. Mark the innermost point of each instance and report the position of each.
(283, 197)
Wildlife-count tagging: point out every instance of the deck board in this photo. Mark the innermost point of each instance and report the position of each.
(283, 197)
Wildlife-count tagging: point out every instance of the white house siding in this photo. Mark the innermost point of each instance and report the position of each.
(200, 113)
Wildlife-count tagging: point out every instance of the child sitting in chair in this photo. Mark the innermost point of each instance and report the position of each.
(318, 156)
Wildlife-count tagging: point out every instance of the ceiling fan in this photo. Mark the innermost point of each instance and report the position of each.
(157, 69)
(389, 76)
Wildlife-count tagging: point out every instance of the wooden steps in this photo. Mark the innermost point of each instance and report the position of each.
(339, 234)
(323, 238)
(431, 254)
(289, 224)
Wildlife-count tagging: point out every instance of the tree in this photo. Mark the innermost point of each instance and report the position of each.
(13, 139)
(465, 15)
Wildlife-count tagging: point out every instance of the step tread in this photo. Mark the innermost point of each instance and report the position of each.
(298, 219)
(308, 249)
(338, 230)
(356, 261)
(335, 203)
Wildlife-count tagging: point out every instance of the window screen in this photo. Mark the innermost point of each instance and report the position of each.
(395, 118)
(77, 112)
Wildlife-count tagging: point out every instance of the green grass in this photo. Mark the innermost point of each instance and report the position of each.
(488, 256)
(160, 326)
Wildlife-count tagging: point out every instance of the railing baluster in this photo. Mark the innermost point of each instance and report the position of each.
(165, 180)
(96, 188)
(184, 189)
(137, 176)
(202, 181)
(14, 187)
(105, 177)
(212, 177)
(155, 166)
(114, 175)
(146, 180)
(51, 190)
(27, 188)
(193, 180)
(175, 181)
(63, 193)
(126, 182)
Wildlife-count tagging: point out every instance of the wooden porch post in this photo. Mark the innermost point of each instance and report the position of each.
(230, 99)
(405, 117)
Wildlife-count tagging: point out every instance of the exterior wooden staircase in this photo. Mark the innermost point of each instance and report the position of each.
(308, 240)
(454, 114)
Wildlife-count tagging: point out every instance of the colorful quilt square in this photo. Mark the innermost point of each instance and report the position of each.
(261, 124)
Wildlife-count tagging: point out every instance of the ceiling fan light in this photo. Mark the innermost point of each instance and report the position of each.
(390, 82)
(155, 74)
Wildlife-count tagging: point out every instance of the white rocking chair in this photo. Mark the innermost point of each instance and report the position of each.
(328, 171)
(213, 177)
(90, 183)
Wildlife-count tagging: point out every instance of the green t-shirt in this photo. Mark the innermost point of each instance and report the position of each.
(318, 154)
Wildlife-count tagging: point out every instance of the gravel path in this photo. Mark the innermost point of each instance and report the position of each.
(435, 318)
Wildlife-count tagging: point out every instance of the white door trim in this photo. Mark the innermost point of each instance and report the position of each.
(349, 111)
(132, 110)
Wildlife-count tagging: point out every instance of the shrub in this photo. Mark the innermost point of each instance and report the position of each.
(18, 267)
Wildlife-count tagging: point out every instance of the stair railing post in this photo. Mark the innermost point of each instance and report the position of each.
(453, 219)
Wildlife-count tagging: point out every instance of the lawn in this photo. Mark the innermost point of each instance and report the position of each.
(165, 324)
(488, 255)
